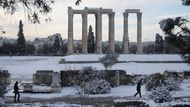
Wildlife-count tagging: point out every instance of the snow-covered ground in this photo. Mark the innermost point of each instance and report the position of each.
(128, 57)
(24, 66)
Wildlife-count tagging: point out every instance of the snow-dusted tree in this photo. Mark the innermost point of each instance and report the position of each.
(33, 8)
(178, 34)
(97, 86)
(161, 94)
(186, 2)
(154, 81)
(91, 44)
(21, 39)
(109, 60)
(2, 90)
(133, 49)
(158, 80)
(56, 45)
(2, 103)
(172, 84)
(149, 49)
(159, 44)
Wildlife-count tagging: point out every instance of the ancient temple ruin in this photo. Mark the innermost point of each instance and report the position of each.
(98, 12)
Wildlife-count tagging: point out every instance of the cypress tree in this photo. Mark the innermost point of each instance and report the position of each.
(21, 39)
(91, 44)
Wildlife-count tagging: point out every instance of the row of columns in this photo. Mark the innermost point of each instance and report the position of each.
(98, 30)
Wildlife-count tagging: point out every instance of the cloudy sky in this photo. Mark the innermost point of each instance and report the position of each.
(153, 11)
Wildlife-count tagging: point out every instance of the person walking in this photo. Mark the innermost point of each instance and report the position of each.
(16, 91)
(139, 88)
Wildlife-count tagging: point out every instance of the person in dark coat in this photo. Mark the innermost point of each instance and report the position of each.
(139, 88)
(16, 91)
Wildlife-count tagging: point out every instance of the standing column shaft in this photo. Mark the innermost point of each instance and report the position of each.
(99, 33)
(96, 33)
(84, 33)
(70, 31)
(125, 36)
(139, 33)
(112, 32)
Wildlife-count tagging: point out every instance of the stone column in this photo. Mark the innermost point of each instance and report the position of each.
(55, 85)
(84, 33)
(117, 78)
(99, 32)
(125, 36)
(139, 33)
(112, 32)
(70, 31)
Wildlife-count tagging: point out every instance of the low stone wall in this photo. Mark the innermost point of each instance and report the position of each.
(131, 104)
(47, 77)
(43, 77)
(186, 74)
(114, 77)
(5, 77)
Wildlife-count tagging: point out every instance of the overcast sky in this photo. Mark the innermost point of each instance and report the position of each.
(153, 11)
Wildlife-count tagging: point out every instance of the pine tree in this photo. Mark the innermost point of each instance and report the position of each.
(91, 44)
(56, 44)
(21, 39)
(159, 44)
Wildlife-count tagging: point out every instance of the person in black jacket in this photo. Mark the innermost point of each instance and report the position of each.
(139, 88)
(16, 91)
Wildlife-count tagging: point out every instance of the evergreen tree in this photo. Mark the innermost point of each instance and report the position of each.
(91, 44)
(177, 34)
(181, 39)
(159, 44)
(56, 44)
(21, 39)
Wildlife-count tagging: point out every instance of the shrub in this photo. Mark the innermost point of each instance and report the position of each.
(2, 89)
(109, 60)
(97, 86)
(2, 103)
(161, 94)
(158, 80)
(155, 80)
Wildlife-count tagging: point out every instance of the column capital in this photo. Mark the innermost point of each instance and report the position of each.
(84, 14)
(112, 14)
(99, 13)
(139, 14)
(125, 14)
(70, 12)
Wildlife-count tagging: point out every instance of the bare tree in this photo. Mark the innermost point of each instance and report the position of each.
(33, 8)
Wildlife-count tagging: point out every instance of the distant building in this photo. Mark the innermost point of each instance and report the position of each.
(39, 42)
(5, 40)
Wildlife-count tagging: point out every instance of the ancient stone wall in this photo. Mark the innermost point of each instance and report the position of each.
(5, 77)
